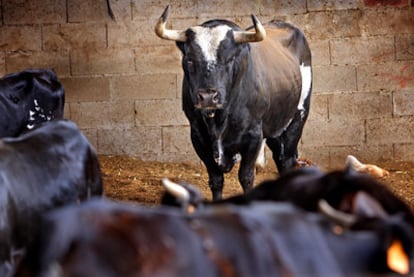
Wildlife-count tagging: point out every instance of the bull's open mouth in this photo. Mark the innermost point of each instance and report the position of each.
(209, 111)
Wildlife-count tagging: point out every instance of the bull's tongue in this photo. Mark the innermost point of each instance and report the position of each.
(210, 113)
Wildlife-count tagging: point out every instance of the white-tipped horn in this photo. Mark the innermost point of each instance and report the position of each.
(170, 34)
(339, 217)
(353, 162)
(176, 190)
(247, 36)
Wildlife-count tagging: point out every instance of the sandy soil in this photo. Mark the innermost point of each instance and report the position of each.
(130, 179)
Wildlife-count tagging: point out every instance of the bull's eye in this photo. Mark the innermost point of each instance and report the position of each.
(190, 66)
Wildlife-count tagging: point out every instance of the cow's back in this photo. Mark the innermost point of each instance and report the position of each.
(277, 62)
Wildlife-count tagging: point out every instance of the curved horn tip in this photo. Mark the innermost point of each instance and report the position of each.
(260, 30)
(165, 13)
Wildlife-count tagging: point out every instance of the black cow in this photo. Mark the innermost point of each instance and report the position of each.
(102, 238)
(29, 98)
(235, 93)
(345, 190)
(50, 166)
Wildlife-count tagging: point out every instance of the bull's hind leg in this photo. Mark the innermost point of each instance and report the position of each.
(285, 147)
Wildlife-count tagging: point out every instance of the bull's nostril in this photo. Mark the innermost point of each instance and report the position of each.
(216, 97)
(200, 96)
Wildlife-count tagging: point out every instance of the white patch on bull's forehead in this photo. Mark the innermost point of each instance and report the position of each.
(306, 73)
(209, 40)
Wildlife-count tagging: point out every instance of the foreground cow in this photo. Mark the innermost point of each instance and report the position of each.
(29, 98)
(102, 238)
(48, 167)
(236, 93)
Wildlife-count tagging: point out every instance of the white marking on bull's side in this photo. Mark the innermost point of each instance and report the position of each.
(261, 158)
(209, 40)
(306, 73)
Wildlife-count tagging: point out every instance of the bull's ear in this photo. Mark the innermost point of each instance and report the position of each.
(367, 206)
(397, 259)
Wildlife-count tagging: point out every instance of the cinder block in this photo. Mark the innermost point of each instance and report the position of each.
(318, 155)
(278, 8)
(34, 11)
(133, 34)
(148, 86)
(148, 9)
(66, 111)
(159, 59)
(320, 52)
(362, 50)
(379, 3)
(318, 107)
(386, 76)
(334, 132)
(59, 62)
(404, 152)
(217, 8)
(92, 136)
(102, 61)
(15, 38)
(74, 36)
(324, 5)
(138, 142)
(387, 21)
(103, 115)
(360, 105)
(176, 139)
(159, 113)
(334, 78)
(89, 10)
(86, 89)
(404, 102)
(390, 130)
(404, 45)
(330, 24)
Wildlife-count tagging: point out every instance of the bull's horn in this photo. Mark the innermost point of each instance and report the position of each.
(353, 162)
(176, 190)
(247, 36)
(339, 217)
(163, 32)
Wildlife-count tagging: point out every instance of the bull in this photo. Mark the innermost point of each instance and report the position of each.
(236, 93)
(27, 99)
(50, 166)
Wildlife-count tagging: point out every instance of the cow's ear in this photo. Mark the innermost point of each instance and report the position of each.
(397, 259)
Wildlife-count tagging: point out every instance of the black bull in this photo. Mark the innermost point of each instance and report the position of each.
(102, 238)
(45, 168)
(236, 93)
(28, 98)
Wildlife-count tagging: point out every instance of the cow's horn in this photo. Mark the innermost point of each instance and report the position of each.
(247, 36)
(176, 190)
(339, 217)
(165, 33)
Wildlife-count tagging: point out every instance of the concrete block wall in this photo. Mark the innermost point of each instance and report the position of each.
(123, 84)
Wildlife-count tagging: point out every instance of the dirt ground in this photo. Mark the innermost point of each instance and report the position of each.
(130, 179)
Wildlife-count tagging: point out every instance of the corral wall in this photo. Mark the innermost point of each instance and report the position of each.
(123, 84)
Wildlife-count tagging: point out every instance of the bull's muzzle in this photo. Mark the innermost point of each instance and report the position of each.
(208, 99)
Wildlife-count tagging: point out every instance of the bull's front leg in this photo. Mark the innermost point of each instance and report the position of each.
(204, 151)
(247, 164)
